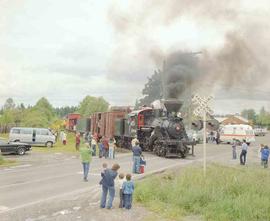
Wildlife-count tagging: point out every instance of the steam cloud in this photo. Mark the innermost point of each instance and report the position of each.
(241, 62)
(180, 71)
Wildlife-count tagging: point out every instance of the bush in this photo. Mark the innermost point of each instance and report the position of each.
(239, 194)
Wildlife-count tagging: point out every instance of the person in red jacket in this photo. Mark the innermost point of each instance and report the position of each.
(78, 141)
(105, 143)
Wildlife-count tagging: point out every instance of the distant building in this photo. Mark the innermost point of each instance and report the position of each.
(232, 119)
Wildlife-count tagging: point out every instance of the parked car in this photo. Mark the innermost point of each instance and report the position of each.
(260, 131)
(33, 136)
(14, 147)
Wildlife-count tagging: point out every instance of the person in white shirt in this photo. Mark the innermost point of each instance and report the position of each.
(243, 154)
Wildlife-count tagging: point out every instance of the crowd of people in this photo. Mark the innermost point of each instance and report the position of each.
(263, 153)
(125, 183)
(103, 147)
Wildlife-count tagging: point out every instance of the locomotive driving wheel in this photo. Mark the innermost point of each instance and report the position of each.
(158, 148)
(163, 152)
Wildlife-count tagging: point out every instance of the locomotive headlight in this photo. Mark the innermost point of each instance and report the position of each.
(177, 127)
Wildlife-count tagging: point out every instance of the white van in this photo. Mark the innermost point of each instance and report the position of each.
(239, 132)
(33, 136)
(260, 131)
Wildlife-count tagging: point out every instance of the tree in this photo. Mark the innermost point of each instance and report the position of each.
(9, 104)
(91, 105)
(249, 114)
(34, 118)
(152, 89)
(45, 108)
(6, 120)
(63, 111)
(263, 118)
(41, 115)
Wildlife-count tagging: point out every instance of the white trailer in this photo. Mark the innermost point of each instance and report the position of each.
(238, 132)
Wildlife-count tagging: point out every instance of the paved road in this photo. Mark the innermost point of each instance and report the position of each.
(39, 186)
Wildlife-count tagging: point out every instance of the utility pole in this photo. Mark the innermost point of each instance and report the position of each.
(201, 110)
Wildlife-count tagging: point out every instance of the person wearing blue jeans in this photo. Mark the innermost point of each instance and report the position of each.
(128, 189)
(136, 164)
(85, 170)
(105, 190)
(86, 157)
(111, 148)
(137, 151)
(107, 183)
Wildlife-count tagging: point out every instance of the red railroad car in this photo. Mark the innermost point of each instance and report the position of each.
(72, 121)
(103, 123)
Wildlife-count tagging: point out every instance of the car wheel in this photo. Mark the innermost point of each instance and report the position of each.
(49, 144)
(21, 151)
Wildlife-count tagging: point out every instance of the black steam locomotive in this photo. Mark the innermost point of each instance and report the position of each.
(157, 130)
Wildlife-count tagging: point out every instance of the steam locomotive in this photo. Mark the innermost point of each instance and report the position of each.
(157, 130)
(161, 130)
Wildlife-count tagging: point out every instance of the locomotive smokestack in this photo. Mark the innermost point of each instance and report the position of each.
(173, 105)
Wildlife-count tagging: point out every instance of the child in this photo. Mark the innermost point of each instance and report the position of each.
(64, 138)
(265, 155)
(104, 166)
(111, 148)
(234, 144)
(128, 189)
(121, 180)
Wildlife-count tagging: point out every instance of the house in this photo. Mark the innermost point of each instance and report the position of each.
(232, 119)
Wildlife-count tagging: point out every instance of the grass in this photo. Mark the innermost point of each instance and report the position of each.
(4, 162)
(227, 194)
(4, 136)
(59, 147)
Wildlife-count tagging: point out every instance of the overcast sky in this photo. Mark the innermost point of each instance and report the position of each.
(67, 49)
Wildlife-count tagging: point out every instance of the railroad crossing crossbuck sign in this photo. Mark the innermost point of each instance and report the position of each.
(203, 106)
(201, 110)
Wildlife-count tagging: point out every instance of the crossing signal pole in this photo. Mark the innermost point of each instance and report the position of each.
(201, 110)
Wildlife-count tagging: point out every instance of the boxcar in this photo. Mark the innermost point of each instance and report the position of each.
(103, 123)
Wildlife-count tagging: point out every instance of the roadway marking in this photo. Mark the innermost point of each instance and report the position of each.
(21, 166)
(3, 208)
(63, 162)
(62, 176)
(96, 187)
(75, 192)
(93, 174)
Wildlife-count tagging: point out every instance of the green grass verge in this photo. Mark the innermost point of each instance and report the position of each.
(4, 136)
(59, 147)
(4, 162)
(227, 194)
